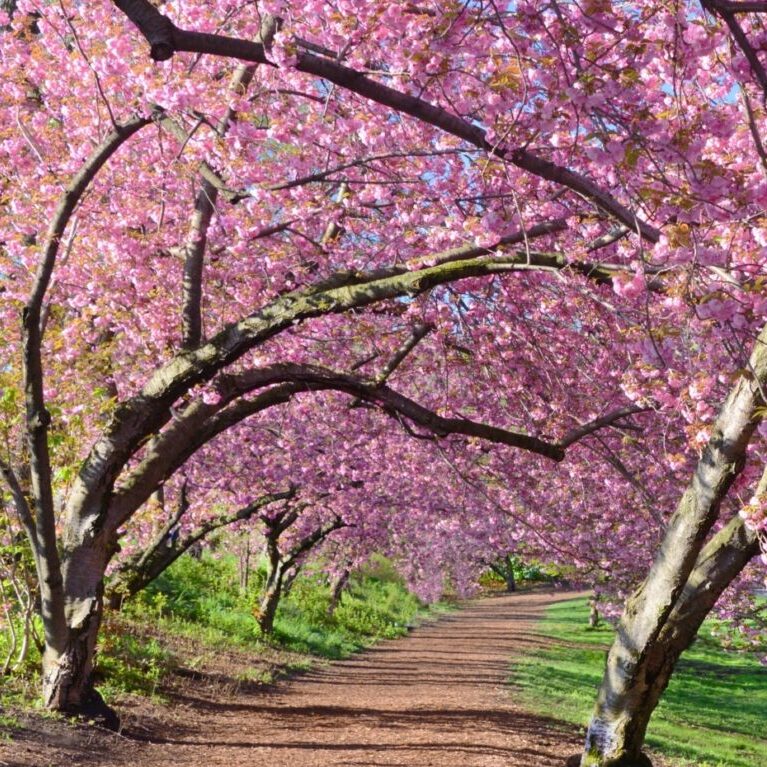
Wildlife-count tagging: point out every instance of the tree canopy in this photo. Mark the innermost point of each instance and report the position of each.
(466, 276)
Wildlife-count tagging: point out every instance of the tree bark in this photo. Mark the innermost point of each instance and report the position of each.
(270, 600)
(68, 669)
(639, 667)
(337, 590)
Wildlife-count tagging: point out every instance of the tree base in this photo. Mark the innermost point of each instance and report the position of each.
(96, 711)
(625, 761)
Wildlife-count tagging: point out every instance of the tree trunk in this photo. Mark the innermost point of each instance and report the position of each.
(511, 583)
(269, 601)
(337, 589)
(68, 666)
(651, 629)
(593, 613)
(617, 729)
(68, 674)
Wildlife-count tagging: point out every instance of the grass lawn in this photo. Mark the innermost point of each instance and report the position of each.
(712, 715)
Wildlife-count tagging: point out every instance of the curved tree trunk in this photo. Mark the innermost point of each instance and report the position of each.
(630, 693)
(658, 623)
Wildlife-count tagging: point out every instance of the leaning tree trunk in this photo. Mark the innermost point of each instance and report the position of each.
(659, 622)
(718, 565)
(337, 590)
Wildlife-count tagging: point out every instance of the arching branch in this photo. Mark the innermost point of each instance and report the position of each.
(139, 571)
(165, 39)
(44, 542)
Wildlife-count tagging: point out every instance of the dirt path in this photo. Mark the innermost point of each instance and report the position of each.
(437, 697)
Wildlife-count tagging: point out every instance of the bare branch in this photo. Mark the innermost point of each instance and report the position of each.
(615, 234)
(608, 419)
(191, 302)
(310, 541)
(205, 205)
(420, 331)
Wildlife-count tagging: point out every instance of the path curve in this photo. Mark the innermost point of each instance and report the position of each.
(439, 696)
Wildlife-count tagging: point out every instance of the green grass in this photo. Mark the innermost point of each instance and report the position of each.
(132, 664)
(200, 600)
(710, 716)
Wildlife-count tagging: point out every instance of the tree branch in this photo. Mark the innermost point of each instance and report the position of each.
(310, 541)
(148, 411)
(37, 417)
(722, 6)
(599, 423)
(165, 39)
(205, 205)
(420, 331)
(726, 11)
(135, 574)
(21, 504)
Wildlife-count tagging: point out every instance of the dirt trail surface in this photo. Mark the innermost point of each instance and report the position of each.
(439, 696)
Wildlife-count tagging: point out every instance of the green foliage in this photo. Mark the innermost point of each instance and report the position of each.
(20, 628)
(200, 595)
(525, 572)
(708, 717)
(22, 686)
(130, 663)
(202, 599)
(376, 606)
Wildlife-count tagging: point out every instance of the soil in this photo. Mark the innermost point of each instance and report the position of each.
(439, 696)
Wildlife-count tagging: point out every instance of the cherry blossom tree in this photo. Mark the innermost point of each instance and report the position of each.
(570, 194)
